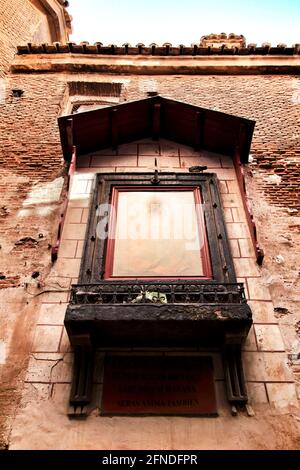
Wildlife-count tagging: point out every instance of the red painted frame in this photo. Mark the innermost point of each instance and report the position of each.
(109, 256)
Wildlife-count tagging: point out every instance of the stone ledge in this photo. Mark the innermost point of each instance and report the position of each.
(197, 65)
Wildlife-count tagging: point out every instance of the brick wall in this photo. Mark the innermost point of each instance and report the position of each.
(49, 374)
(270, 100)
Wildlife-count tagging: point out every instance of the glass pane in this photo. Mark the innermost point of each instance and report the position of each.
(157, 234)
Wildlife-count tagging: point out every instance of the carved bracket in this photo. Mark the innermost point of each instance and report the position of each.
(246, 202)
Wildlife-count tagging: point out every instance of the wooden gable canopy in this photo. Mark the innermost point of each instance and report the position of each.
(156, 117)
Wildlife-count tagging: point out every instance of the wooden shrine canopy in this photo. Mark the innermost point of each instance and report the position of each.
(156, 117)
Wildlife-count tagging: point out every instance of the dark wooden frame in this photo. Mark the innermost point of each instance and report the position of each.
(94, 255)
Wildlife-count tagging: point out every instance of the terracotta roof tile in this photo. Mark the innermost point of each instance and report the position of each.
(153, 49)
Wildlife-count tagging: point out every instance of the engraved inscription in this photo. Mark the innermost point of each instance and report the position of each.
(158, 385)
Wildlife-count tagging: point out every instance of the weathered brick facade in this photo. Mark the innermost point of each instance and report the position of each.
(33, 21)
(34, 293)
(16, 16)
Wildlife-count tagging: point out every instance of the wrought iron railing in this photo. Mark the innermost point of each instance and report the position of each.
(164, 292)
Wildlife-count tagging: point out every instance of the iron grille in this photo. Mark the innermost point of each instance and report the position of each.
(169, 292)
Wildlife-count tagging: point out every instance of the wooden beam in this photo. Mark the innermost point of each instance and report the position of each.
(156, 121)
(66, 136)
(114, 128)
(199, 137)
